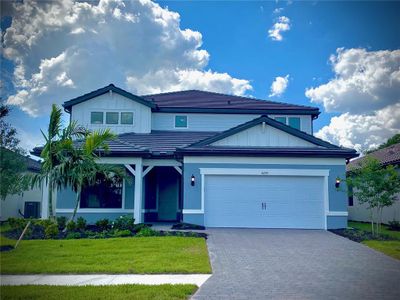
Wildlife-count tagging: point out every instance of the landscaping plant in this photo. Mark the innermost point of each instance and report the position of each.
(376, 186)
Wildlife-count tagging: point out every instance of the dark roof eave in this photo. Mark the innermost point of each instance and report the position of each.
(268, 153)
(68, 104)
(313, 112)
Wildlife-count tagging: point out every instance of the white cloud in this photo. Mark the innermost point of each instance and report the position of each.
(66, 48)
(363, 132)
(364, 81)
(279, 85)
(281, 25)
(162, 80)
(278, 10)
(366, 90)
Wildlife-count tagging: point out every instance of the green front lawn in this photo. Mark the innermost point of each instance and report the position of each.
(367, 227)
(390, 248)
(117, 255)
(140, 292)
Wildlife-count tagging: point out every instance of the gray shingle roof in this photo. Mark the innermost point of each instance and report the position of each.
(387, 156)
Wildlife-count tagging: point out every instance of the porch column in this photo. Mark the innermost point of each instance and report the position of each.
(138, 191)
(44, 210)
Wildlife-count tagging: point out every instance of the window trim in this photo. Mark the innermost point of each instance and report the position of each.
(133, 118)
(287, 120)
(292, 117)
(115, 112)
(102, 119)
(99, 209)
(187, 121)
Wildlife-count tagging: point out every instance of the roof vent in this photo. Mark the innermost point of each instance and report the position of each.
(229, 102)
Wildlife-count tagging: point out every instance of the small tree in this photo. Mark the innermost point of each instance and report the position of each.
(375, 186)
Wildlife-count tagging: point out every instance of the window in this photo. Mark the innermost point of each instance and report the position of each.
(281, 119)
(181, 122)
(103, 194)
(294, 122)
(127, 118)
(350, 196)
(112, 117)
(96, 117)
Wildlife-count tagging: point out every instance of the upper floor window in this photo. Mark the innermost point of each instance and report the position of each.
(112, 117)
(181, 122)
(291, 121)
(127, 118)
(294, 122)
(96, 117)
(281, 119)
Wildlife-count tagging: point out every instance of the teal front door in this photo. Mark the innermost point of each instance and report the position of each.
(168, 193)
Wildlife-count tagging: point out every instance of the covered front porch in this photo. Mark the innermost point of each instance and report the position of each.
(157, 187)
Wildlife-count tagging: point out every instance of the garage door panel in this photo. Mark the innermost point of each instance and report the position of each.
(291, 202)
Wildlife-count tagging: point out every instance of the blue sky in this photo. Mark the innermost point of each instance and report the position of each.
(235, 36)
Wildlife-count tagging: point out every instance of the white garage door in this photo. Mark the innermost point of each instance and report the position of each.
(264, 201)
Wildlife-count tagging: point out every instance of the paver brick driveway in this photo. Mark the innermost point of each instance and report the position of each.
(296, 264)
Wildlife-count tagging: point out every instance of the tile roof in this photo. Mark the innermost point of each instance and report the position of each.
(199, 101)
(157, 142)
(211, 100)
(387, 156)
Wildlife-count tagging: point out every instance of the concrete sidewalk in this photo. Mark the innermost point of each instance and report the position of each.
(104, 279)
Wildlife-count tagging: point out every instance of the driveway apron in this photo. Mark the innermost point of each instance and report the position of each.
(296, 264)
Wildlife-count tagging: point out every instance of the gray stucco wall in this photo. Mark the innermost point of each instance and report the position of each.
(192, 194)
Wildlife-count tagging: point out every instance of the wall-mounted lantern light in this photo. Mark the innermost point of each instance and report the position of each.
(337, 183)
(192, 180)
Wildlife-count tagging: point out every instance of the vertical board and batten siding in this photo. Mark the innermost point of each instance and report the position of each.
(263, 136)
(113, 103)
(215, 122)
(337, 203)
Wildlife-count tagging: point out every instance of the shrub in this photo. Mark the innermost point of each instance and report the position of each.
(51, 231)
(394, 225)
(103, 224)
(139, 227)
(73, 235)
(17, 223)
(61, 222)
(147, 231)
(71, 226)
(81, 224)
(124, 223)
(122, 233)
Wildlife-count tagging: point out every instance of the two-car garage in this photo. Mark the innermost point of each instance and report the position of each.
(279, 198)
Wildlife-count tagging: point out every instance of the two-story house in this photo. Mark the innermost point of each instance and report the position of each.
(212, 159)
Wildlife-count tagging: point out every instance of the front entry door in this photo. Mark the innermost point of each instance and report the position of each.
(168, 192)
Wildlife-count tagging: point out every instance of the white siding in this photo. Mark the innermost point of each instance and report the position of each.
(216, 122)
(263, 136)
(360, 212)
(113, 103)
(10, 206)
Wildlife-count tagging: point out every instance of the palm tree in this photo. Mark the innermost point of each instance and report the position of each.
(56, 142)
(82, 166)
(70, 159)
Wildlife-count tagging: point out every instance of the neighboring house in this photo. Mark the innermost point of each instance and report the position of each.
(211, 159)
(26, 204)
(359, 212)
